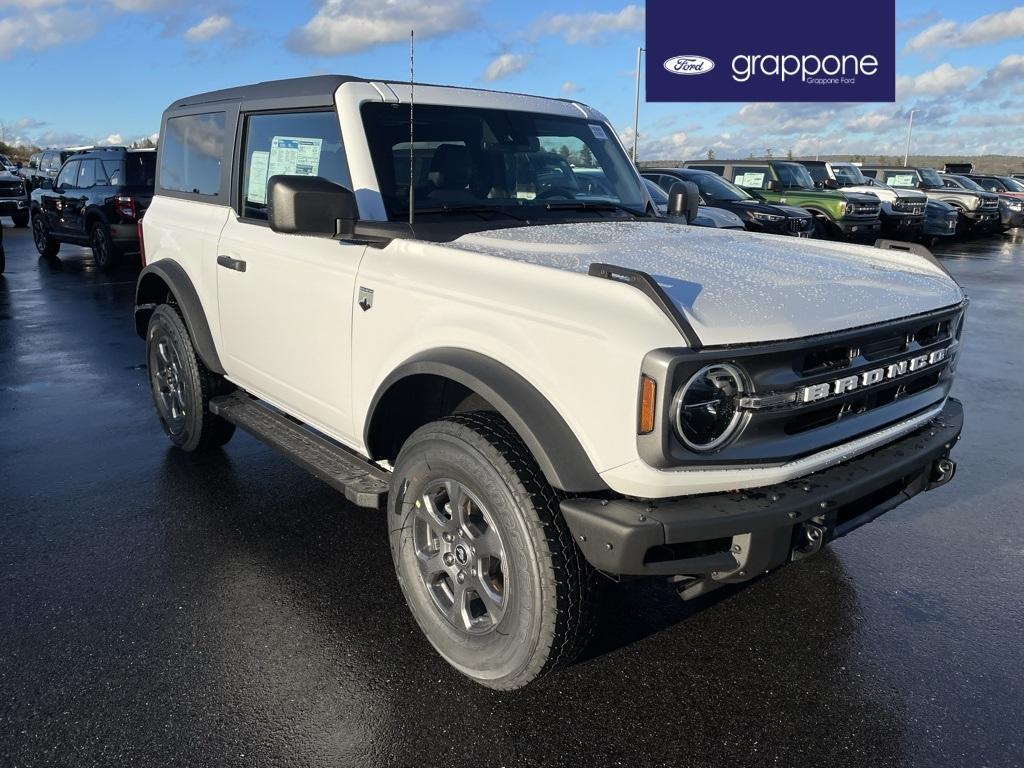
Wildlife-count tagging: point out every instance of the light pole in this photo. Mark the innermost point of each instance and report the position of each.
(910, 130)
(636, 102)
(817, 152)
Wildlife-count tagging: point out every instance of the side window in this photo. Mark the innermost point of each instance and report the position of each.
(68, 175)
(86, 174)
(192, 154)
(293, 144)
(101, 174)
(719, 169)
(755, 177)
(33, 162)
(112, 169)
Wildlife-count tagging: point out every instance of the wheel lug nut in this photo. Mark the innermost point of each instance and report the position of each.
(461, 577)
(448, 559)
(448, 537)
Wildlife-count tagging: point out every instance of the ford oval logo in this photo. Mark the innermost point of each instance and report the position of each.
(689, 65)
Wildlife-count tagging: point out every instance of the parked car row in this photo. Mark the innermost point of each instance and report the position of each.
(841, 200)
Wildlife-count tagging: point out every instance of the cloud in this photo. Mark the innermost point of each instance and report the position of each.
(590, 28)
(991, 28)
(39, 30)
(208, 28)
(113, 140)
(569, 87)
(1005, 78)
(944, 79)
(505, 65)
(347, 26)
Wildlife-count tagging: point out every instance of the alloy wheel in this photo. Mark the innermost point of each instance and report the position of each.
(39, 233)
(169, 382)
(461, 557)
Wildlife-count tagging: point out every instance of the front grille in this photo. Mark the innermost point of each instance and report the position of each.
(989, 205)
(11, 189)
(866, 209)
(800, 225)
(912, 209)
(784, 421)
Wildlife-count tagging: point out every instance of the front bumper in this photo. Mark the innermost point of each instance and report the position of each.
(859, 227)
(903, 223)
(12, 205)
(732, 537)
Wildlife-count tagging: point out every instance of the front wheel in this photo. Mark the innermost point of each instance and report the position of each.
(45, 244)
(482, 554)
(182, 386)
(21, 219)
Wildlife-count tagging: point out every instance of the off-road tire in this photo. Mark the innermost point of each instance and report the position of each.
(46, 245)
(196, 429)
(822, 230)
(550, 611)
(21, 219)
(104, 252)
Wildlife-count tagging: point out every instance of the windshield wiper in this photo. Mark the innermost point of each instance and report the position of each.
(582, 205)
(477, 209)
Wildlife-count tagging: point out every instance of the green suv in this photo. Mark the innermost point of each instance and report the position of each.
(836, 213)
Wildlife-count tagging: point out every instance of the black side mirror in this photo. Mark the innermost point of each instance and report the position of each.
(683, 199)
(831, 184)
(921, 185)
(45, 183)
(773, 186)
(310, 205)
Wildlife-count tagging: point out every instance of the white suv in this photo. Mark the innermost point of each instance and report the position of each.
(543, 383)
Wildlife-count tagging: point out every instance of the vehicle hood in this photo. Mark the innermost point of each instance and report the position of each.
(791, 211)
(886, 192)
(708, 216)
(739, 287)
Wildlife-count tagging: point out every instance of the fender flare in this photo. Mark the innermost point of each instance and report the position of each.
(187, 298)
(541, 427)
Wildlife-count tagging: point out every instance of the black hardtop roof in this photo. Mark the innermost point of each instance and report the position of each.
(671, 169)
(318, 89)
(747, 161)
(314, 85)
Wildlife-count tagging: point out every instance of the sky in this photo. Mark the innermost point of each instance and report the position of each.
(102, 71)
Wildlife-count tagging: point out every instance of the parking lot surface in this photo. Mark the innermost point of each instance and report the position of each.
(163, 609)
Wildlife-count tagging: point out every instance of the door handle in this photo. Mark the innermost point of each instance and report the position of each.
(236, 264)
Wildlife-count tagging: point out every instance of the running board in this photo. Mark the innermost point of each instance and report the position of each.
(363, 483)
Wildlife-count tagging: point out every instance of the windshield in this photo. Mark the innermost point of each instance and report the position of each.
(930, 177)
(519, 163)
(714, 187)
(794, 176)
(1011, 184)
(849, 175)
(967, 183)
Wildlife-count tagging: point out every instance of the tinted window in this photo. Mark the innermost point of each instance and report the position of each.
(992, 185)
(717, 189)
(68, 175)
(140, 169)
(818, 173)
(191, 154)
(86, 174)
(50, 161)
(293, 144)
(719, 169)
(113, 171)
(794, 176)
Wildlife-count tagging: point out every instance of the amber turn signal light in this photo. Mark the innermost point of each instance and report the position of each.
(648, 389)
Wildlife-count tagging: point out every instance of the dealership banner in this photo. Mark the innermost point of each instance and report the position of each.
(786, 50)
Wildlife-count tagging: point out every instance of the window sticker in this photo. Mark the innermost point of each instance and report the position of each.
(598, 132)
(258, 166)
(749, 179)
(901, 180)
(294, 156)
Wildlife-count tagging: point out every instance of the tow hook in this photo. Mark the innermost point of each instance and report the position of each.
(942, 472)
(808, 540)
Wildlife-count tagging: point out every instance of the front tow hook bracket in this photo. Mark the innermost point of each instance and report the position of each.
(942, 472)
(810, 538)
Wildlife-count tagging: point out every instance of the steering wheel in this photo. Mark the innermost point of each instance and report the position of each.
(556, 192)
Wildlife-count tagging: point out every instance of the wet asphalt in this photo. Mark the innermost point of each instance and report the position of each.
(158, 609)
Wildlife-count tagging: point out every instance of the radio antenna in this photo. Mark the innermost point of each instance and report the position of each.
(412, 152)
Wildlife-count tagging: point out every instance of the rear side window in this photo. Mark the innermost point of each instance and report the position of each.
(86, 174)
(113, 171)
(140, 169)
(294, 144)
(192, 153)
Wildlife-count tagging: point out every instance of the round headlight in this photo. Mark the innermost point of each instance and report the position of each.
(706, 409)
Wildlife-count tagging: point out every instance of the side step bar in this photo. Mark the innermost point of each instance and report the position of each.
(363, 483)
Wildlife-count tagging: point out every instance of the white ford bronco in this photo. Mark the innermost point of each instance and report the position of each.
(540, 380)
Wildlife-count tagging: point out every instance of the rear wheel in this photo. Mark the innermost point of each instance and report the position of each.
(483, 556)
(45, 244)
(103, 251)
(182, 386)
